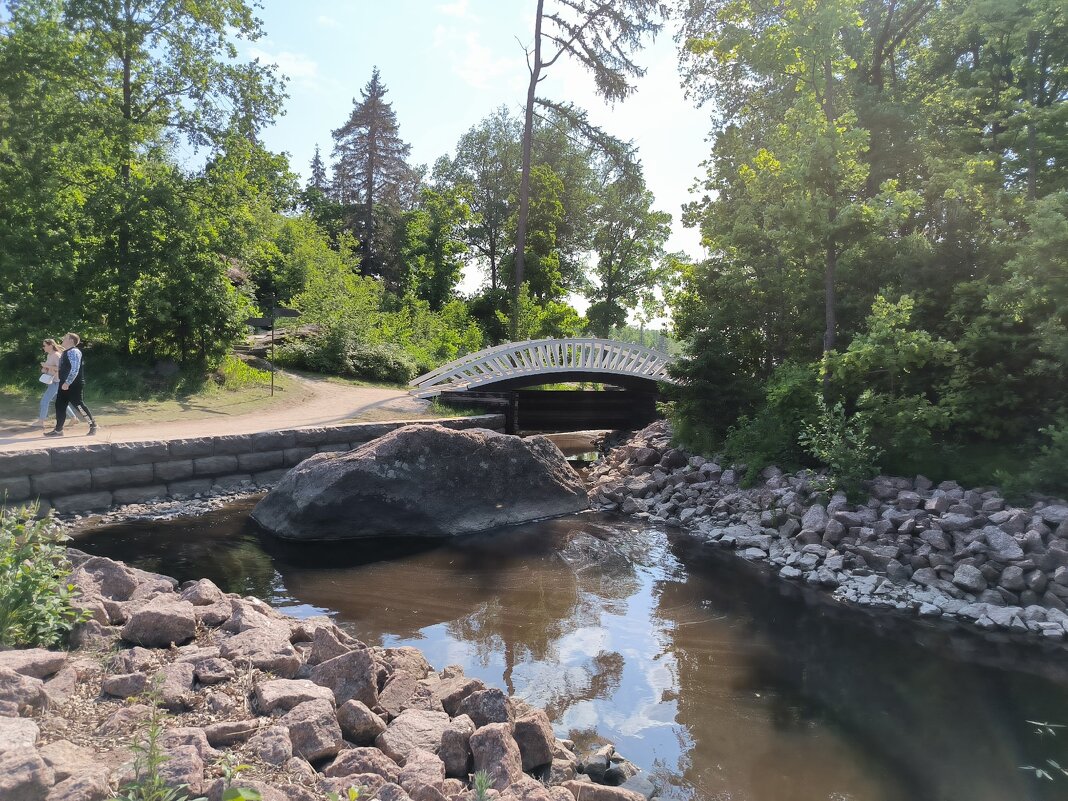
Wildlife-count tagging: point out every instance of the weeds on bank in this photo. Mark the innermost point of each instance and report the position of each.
(148, 784)
(35, 602)
(482, 784)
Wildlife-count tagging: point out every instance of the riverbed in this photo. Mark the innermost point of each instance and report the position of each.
(721, 682)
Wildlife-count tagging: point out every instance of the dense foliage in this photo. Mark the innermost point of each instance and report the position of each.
(886, 203)
(35, 602)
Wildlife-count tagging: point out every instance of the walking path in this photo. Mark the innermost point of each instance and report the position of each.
(326, 403)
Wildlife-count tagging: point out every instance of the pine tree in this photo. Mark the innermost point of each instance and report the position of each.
(318, 173)
(371, 173)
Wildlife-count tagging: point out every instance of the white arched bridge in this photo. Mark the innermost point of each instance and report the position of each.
(542, 361)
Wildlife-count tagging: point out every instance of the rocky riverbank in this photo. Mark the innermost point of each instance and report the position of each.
(220, 680)
(942, 551)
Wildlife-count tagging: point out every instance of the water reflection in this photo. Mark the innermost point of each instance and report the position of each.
(723, 685)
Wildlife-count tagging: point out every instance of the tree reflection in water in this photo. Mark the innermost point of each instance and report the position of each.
(691, 663)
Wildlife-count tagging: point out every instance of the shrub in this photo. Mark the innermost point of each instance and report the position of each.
(381, 363)
(771, 435)
(1047, 472)
(35, 603)
(843, 444)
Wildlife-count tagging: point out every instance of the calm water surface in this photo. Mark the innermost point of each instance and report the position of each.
(720, 683)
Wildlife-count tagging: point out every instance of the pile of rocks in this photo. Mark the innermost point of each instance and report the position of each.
(936, 551)
(311, 709)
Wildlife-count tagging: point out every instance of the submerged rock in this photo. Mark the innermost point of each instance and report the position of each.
(422, 480)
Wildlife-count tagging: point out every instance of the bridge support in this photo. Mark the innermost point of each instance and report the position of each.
(561, 410)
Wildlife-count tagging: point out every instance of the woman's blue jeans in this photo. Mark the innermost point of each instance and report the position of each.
(46, 401)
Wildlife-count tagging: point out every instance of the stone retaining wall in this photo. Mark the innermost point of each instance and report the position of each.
(85, 478)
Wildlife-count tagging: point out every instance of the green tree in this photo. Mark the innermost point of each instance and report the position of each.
(487, 165)
(436, 247)
(372, 177)
(601, 37)
(629, 241)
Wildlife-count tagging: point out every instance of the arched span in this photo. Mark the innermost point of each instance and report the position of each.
(517, 364)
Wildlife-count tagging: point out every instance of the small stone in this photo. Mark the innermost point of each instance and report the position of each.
(495, 751)
(313, 729)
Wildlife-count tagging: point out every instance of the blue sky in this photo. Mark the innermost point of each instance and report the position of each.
(447, 64)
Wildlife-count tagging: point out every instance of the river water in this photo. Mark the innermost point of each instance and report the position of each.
(721, 683)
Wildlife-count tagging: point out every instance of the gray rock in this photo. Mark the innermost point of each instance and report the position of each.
(23, 693)
(38, 663)
(487, 706)
(231, 732)
(285, 694)
(455, 749)
(264, 648)
(969, 578)
(413, 728)
(313, 730)
(24, 775)
(533, 734)
(495, 751)
(395, 485)
(422, 769)
(1004, 547)
(160, 622)
(354, 761)
(1055, 514)
(1012, 578)
(359, 724)
(273, 745)
(349, 676)
(815, 518)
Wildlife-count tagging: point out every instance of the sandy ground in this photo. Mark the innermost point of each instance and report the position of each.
(324, 403)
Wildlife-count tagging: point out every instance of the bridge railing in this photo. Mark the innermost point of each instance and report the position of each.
(545, 357)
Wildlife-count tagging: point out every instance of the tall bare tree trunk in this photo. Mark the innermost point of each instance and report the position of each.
(524, 180)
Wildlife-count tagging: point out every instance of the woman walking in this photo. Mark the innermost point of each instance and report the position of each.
(50, 370)
(71, 382)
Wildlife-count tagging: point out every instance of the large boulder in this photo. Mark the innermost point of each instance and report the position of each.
(422, 480)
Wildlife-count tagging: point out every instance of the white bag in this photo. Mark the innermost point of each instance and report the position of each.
(46, 378)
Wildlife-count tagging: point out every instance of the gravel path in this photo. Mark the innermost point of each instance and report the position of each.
(328, 403)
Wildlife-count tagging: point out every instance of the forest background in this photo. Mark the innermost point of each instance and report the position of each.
(883, 212)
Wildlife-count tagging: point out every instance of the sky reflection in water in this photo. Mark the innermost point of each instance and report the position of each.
(694, 666)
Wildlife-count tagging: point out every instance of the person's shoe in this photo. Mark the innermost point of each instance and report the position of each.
(55, 432)
(92, 431)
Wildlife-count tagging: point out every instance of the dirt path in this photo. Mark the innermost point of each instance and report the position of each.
(326, 402)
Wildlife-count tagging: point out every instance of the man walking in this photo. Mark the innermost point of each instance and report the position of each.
(71, 381)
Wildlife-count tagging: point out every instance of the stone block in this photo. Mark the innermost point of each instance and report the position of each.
(62, 483)
(139, 494)
(128, 453)
(24, 463)
(83, 502)
(215, 465)
(77, 457)
(274, 440)
(194, 486)
(294, 456)
(334, 447)
(269, 477)
(16, 488)
(231, 482)
(132, 475)
(265, 460)
(178, 470)
(191, 448)
(233, 443)
(311, 437)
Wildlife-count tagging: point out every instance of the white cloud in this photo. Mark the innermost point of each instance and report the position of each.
(326, 22)
(475, 63)
(459, 9)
